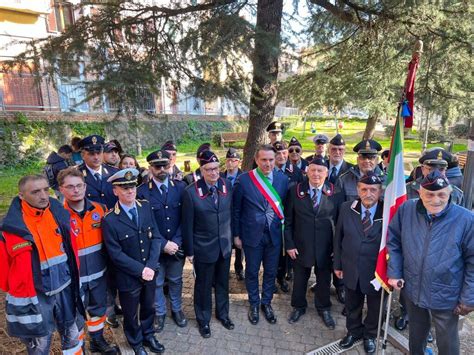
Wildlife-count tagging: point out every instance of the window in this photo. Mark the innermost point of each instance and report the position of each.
(61, 16)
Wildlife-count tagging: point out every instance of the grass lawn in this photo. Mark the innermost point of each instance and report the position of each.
(352, 133)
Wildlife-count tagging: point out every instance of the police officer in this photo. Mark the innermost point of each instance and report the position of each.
(232, 172)
(86, 227)
(95, 172)
(196, 175)
(367, 158)
(207, 241)
(174, 172)
(165, 196)
(320, 141)
(295, 151)
(356, 248)
(133, 244)
(275, 131)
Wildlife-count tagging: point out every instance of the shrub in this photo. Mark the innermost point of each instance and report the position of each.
(460, 130)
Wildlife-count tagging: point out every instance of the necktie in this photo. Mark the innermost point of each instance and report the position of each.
(333, 176)
(97, 177)
(231, 179)
(314, 199)
(164, 190)
(366, 222)
(133, 212)
(214, 194)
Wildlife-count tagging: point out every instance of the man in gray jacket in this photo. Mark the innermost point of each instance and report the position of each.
(431, 256)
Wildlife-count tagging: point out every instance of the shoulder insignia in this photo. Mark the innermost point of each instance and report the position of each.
(139, 202)
(117, 208)
(171, 182)
(150, 185)
(84, 172)
(354, 204)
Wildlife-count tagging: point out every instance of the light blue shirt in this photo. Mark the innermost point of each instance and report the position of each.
(338, 167)
(318, 192)
(371, 209)
(159, 183)
(127, 210)
(93, 172)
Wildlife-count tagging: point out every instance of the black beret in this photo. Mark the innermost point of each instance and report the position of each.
(169, 145)
(370, 178)
(434, 181)
(206, 156)
(318, 160)
(202, 148)
(93, 143)
(232, 153)
(436, 157)
(109, 146)
(337, 140)
(158, 158)
(368, 146)
(275, 127)
(294, 142)
(279, 146)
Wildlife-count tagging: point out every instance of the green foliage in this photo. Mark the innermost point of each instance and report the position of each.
(460, 131)
(84, 129)
(434, 136)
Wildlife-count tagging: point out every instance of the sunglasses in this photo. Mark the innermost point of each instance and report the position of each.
(296, 150)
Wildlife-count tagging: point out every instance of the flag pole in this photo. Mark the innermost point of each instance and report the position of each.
(379, 326)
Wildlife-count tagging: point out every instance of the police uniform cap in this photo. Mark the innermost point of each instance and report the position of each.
(203, 147)
(169, 145)
(93, 143)
(434, 181)
(110, 146)
(320, 139)
(158, 158)
(275, 127)
(206, 157)
(436, 157)
(294, 142)
(337, 140)
(318, 160)
(232, 153)
(124, 177)
(279, 146)
(367, 146)
(370, 178)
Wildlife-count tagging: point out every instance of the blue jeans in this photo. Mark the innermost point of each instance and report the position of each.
(172, 270)
(268, 254)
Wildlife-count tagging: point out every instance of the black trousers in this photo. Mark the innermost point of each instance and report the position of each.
(354, 306)
(138, 324)
(445, 323)
(282, 267)
(206, 273)
(239, 257)
(301, 276)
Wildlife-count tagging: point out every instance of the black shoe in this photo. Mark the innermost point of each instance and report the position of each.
(240, 275)
(348, 341)
(159, 323)
(154, 345)
(205, 331)
(253, 314)
(139, 350)
(341, 295)
(284, 286)
(112, 321)
(313, 287)
(296, 314)
(268, 312)
(179, 319)
(369, 346)
(227, 323)
(401, 323)
(429, 339)
(100, 345)
(327, 319)
(118, 310)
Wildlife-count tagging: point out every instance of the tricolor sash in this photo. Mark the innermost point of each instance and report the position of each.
(268, 191)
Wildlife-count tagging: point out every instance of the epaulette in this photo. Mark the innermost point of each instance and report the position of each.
(117, 208)
(84, 172)
(139, 202)
(455, 188)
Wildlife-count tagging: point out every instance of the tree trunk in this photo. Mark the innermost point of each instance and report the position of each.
(265, 71)
(370, 126)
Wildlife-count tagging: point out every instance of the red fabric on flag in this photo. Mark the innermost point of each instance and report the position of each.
(410, 88)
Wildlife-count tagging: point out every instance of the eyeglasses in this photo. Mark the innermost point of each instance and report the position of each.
(74, 187)
(211, 170)
(296, 150)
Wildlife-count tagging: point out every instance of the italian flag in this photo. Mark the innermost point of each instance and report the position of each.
(395, 195)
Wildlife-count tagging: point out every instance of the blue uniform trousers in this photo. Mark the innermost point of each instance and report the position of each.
(171, 269)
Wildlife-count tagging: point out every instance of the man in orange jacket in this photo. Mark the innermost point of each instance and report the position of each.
(86, 219)
(39, 270)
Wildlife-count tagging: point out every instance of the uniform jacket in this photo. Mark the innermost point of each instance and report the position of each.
(347, 182)
(293, 173)
(413, 191)
(21, 276)
(207, 228)
(191, 177)
(224, 174)
(252, 214)
(88, 233)
(435, 256)
(310, 231)
(100, 191)
(345, 166)
(57, 163)
(131, 248)
(167, 211)
(354, 253)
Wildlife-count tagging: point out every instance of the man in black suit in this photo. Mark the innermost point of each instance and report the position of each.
(132, 237)
(356, 248)
(311, 209)
(196, 174)
(207, 241)
(232, 172)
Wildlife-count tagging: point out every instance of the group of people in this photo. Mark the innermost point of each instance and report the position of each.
(118, 234)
